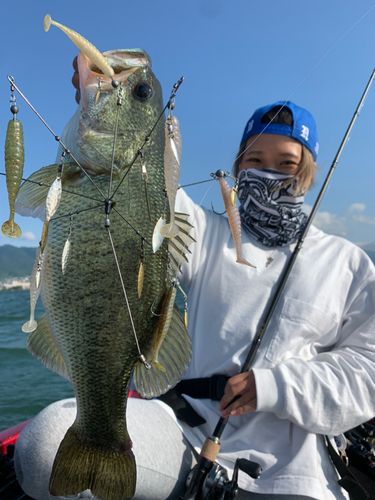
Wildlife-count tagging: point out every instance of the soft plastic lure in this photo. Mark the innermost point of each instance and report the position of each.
(84, 45)
(14, 160)
(31, 325)
(163, 325)
(43, 240)
(233, 219)
(172, 168)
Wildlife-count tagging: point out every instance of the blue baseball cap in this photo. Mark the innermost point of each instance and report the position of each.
(303, 129)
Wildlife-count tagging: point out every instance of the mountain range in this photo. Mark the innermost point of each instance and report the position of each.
(18, 262)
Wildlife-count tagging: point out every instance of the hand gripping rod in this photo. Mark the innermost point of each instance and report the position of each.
(211, 446)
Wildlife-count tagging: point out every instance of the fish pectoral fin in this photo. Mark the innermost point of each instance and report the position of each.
(170, 364)
(32, 194)
(158, 366)
(41, 344)
(77, 467)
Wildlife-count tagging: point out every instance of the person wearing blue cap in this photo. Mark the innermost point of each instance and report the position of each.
(314, 373)
(282, 138)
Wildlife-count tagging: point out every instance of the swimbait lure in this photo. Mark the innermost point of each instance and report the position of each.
(31, 325)
(84, 45)
(233, 219)
(172, 168)
(14, 160)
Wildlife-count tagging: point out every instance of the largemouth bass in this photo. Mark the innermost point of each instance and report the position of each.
(87, 332)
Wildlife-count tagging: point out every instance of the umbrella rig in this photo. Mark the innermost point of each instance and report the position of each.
(14, 160)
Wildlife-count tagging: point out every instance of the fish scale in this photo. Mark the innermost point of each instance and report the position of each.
(98, 324)
(86, 334)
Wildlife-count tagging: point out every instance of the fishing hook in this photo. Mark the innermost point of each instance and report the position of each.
(214, 211)
(152, 312)
(218, 175)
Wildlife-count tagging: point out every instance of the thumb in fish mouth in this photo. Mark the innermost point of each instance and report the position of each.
(75, 80)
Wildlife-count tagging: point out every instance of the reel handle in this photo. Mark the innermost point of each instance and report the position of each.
(250, 468)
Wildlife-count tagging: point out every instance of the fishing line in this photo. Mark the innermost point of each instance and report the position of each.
(130, 198)
(41, 184)
(75, 213)
(136, 231)
(147, 138)
(119, 100)
(140, 355)
(57, 138)
(196, 183)
(194, 217)
(306, 77)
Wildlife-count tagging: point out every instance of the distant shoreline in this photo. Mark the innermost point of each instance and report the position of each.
(13, 289)
(16, 283)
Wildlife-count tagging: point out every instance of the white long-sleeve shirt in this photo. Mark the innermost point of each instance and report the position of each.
(315, 369)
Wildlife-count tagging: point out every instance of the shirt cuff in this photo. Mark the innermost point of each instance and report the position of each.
(270, 392)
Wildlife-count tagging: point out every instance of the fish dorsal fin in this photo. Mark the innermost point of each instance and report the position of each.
(169, 354)
(41, 344)
(179, 245)
(32, 195)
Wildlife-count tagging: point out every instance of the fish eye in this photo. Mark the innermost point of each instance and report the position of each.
(142, 91)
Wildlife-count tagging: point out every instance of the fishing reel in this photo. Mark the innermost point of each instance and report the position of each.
(217, 485)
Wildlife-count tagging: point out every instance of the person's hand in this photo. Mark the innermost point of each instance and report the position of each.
(75, 80)
(242, 385)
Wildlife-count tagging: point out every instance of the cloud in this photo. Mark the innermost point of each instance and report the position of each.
(364, 219)
(356, 210)
(29, 236)
(356, 207)
(340, 225)
(327, 222)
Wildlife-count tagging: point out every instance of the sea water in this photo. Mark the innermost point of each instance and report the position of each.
(26, 385)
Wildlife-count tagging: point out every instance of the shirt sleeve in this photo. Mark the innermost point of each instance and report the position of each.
(335, 390)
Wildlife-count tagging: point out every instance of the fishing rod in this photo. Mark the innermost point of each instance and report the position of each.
(197, 479)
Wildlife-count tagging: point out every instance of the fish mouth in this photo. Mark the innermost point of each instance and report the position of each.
(123, 62)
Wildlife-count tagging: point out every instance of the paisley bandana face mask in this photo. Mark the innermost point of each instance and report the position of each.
(271, 214)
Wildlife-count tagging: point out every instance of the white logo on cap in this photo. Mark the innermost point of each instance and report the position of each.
(250, 126)
(305, 133)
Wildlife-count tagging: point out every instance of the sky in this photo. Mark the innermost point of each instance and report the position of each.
(235, 56)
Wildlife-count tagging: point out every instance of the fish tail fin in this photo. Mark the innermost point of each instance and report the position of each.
(77, 468)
